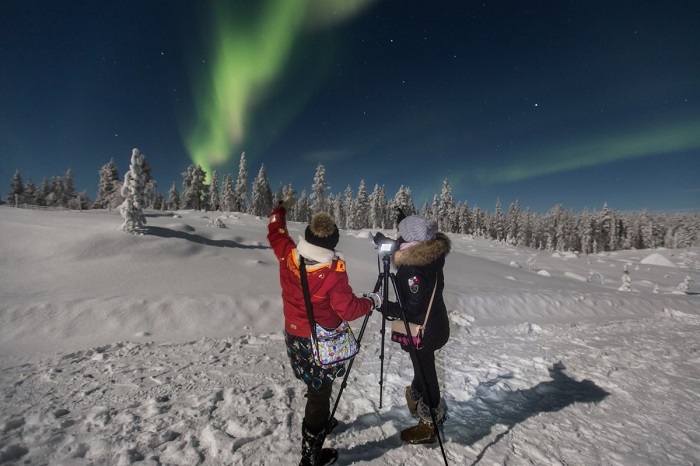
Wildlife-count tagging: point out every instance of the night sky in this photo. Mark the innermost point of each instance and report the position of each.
(575, 102)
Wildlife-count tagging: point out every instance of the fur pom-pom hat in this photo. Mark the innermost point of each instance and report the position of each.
(322, 231)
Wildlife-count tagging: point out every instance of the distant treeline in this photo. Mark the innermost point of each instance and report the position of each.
(557, 230)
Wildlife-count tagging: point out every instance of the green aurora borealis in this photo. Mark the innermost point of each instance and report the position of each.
(249, 53)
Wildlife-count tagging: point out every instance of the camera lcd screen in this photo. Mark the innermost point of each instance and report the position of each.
(385, 247)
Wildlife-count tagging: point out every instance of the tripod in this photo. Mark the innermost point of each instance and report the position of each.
(385, 276)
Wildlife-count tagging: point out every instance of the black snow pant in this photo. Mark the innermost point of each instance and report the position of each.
(424, 364)
(318, 407)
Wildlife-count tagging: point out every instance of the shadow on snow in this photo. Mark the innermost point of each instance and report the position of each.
(471, 421)
(221, 243)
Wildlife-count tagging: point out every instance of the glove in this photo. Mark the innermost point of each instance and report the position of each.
(288, 201)
(376, 300)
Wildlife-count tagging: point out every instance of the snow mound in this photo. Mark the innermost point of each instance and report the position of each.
(675, 313)
(657, 259)
(575, 276)
(180, 227)
(461, 320)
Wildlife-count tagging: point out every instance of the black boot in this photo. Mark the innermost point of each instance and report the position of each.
(312, 451)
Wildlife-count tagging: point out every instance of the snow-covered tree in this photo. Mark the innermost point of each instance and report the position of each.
(605, 222)
(107, 188)
(318, 191)
(173, 198)
(347, 207)
(626, 280)
(377, 207)
(359, 216)
(446, 210)
(43, 193)
(403, 200)
(339, 211)
(133, 192)
(16, 189)
(685, 284)
(241, 189)
(302, 212)
(193, 188)
(69, 197)
(214, 203)
(426, 211)
(30, 192)
(261, 203)
(228, 195)
(499, 223)
(513, 222)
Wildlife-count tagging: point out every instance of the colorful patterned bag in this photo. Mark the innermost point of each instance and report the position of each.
(334, 346)
(330, 346)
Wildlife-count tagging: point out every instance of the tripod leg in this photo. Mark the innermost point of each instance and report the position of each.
(344, 383)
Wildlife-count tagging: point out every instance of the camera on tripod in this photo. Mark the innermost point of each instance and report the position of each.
(385, 246)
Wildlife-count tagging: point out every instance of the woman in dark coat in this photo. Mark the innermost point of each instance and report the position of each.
(420, 261)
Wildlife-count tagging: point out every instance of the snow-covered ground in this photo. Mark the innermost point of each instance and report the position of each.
(167, 349)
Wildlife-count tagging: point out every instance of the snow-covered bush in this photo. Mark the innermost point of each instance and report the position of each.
(626, 281)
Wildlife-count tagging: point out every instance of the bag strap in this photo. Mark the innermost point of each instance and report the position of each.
(430, 306)
(307, 297)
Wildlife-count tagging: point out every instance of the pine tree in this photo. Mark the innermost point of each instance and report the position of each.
(261, 203)
(44, 191)
(446, 208)
(30, 192)
(435, 208)
(339, 211)
(377, 207)
(513, 222)
(347, 207)
(360, 211)
(133, 190)
(69, 195)
(426, 211)
(214, 192)
(228, 195)
(193, 188)
(16, 189)
(477, 223)
(173, 198)
(302, 213)
(242, 185)
(404, 201)
(150, 194)
(109, 178)
(318, 191)
(498, 228)
(188, 200)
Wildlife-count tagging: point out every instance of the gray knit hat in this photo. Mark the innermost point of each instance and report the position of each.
(415, 228)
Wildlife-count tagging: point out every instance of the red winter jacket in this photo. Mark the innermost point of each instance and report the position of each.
(331, 295)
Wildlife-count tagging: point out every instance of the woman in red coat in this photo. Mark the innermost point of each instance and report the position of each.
(332, 300)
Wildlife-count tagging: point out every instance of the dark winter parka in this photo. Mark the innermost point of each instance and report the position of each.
(418, 268)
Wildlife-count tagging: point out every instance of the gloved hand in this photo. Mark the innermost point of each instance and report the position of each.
(376, 300)
(288, 201)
